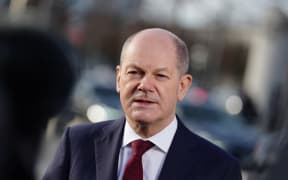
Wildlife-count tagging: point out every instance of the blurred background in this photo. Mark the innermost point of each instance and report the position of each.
(238, 52)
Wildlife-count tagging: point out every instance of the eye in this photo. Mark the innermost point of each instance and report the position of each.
(162, 76)
(132, 72)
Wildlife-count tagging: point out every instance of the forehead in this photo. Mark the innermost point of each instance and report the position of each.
(150, 51)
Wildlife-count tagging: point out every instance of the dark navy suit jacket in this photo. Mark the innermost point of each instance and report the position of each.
(91, 152)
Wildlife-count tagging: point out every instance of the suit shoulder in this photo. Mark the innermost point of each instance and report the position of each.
(87, 130)
(90, 126)
(204, 146)
(215, 152)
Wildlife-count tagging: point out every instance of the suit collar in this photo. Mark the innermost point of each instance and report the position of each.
(177, 156)
(107, 147)
(109, 141)
(162, 139)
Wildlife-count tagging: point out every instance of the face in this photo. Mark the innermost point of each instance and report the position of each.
(149, 82)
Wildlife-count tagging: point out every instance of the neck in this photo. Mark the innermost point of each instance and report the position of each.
(146, 129)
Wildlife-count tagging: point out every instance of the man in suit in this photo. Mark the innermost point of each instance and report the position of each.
(151, 78)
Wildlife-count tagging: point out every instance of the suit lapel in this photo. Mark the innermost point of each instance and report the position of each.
(179, 160)
(107, 147)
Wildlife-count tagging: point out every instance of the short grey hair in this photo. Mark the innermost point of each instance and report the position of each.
(182, 55)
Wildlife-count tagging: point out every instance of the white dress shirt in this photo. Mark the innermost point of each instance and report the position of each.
(152, 159)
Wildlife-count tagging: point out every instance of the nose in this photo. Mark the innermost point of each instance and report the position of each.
(146, 84)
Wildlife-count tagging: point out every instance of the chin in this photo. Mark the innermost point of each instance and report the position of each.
(143, 117)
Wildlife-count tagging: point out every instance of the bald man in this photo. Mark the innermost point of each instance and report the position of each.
(151, 78)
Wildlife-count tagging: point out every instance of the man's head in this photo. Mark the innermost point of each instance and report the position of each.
(151, 79)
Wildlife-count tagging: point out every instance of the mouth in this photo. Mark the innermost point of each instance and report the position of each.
(143, 101)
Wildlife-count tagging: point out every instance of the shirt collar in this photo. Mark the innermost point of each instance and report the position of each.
(162, 139)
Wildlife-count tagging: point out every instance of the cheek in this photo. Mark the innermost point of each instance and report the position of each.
(169, 96)
(126, 89)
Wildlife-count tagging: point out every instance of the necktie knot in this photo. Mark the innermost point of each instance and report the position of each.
(139, 147)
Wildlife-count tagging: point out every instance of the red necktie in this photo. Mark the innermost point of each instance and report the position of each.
(134, 169)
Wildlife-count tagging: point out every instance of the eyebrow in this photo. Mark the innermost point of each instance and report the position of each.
(162, 69)
(132, 66)
(157, 69)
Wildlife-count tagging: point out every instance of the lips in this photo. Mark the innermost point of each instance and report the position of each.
(144, 98)
(143, 101)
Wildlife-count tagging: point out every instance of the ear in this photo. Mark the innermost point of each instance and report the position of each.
(118, 68)
(185, 83)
